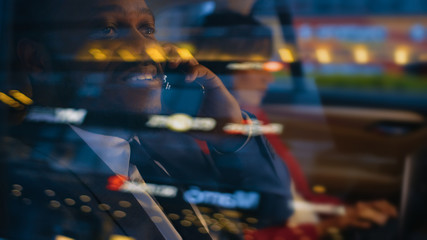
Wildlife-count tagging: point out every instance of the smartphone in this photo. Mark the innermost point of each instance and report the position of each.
(179, 96)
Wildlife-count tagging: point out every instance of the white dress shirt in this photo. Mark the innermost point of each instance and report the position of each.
(115, 153)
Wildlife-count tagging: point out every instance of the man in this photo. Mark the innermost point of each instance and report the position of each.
(98, 55)
(249, 86)
(363, 215)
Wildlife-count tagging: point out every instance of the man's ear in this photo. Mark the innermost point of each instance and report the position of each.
(32, 56)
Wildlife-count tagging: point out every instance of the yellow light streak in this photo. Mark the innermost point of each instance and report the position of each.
(126, 55)
(286, 55)
(188, 46)
(21, 97)
(98, 54)
(401, 56)
(155, 54)
(185, 53)
(9, 101)
(60, 237)
(120, 237)
(361, 55)
(323, 55)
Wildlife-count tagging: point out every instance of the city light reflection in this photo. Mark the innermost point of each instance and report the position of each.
(361, 55)
(323, 56)
(185, 54)
(120, 237)
(86, 209)
(119, 214)
(85, 198)
(60, 237)
(272, 66)
(98, 54)
(9, 101)
(69, 201)
(401, 56)
(126, 55)
(319, 189)
(181, 122)
(21, 97)
(155, 54)
(322, 208)
(286, 55)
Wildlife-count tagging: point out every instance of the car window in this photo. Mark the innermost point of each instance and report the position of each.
(220, 119)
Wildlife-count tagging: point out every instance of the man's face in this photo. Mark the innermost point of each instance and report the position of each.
(250, 86)
(100, 48)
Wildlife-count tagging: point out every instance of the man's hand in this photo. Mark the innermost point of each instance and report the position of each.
(360, 215)
(218, 102)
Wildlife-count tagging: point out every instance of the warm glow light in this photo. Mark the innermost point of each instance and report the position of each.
(361, 55)
(49, 193)
(21, 97)
(401, 56)
(85, 209)
(173, 216)
(104, 207)
(119, 214)
(60, 237)
(185, 223)
(272, 66)
(322, 208)
(185, 54)
(55, 204)
(253, 128)
(16, 193)
(319, 189)
(125, 204)
(180, 122)
(188, 46)
(251, 220)
(323, 55)
(120, 237)
(156, 219)
(17, 187)
(9, 101)
(69, 201)
(155, 54)
(85, 198)
(126, 55)
(98, 54)
(286, 55)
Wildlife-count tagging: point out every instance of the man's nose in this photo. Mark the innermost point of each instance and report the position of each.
(135, 46)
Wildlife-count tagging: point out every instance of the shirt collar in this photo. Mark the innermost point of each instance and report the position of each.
(113, 151)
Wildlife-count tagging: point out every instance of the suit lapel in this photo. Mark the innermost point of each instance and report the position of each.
(94, 174)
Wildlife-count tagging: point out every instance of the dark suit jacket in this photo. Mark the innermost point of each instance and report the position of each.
(48, 158)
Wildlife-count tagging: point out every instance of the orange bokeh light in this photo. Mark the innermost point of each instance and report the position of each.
(272, 66)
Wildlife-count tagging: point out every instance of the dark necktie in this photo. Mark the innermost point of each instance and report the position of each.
(137, 157)
(143, 161)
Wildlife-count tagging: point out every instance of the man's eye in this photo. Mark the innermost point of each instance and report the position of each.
(108, 31)
(105, 33)
(147, 30)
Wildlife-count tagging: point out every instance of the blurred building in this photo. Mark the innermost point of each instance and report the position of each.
(344, 7)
